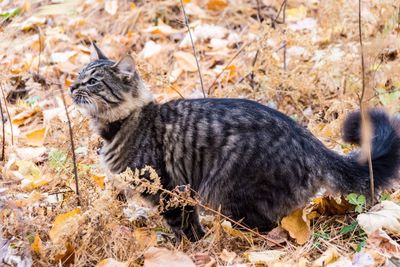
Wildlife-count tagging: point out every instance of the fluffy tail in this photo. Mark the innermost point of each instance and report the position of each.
(385, 153)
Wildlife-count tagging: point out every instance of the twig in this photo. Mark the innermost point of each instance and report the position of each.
(71, 137)
(284, 32)
(194, 49)
(258, 10)
(279, 12)
(4, 133)
(8, 114)
(365, 120)
(40, 49)
(252, 70)
(226, 66)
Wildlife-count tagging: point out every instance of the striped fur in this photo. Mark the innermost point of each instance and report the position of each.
(253, 162)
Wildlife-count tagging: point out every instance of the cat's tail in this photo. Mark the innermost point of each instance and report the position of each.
(385, 153)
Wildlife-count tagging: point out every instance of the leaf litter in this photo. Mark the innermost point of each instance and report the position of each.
(44, 44)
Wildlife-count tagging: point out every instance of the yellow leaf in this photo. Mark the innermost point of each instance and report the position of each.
(328, 205)
(24, 117)
(227, 226)
(186, 61)
(297, 226)
(35, 137)
(36, 246)
(110, 262)
(61, 224)
(98, 180)
(187, 1)
(329, 256)
(132, 6)
(217, 5)
(297, 13)
(32, 176)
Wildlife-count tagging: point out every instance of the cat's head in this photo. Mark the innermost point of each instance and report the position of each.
(109, 90)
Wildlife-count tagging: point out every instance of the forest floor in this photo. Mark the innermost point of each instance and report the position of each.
(303, 59)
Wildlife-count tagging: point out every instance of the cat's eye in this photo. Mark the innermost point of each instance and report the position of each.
(92, 81)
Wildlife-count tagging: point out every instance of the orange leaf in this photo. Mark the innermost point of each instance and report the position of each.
(36, 246)
(98, 180)
(217, 5)
(297, 226)
(61, 223)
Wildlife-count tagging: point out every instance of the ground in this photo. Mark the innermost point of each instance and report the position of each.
(302, 57)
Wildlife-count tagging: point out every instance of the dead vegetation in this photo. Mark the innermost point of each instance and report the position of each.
(240, 47)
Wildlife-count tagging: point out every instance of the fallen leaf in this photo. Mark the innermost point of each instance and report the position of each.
(204, 260)
(35, 137)
(329, 256)
(110, 262)
(150, 49)
(161, 29)
(385, 215)
(62, 57)
(296, 13)
(36, 246)
(227, 256)
(380, 240)
(32, 22)
(26, 116)
(267, 257)
(99, 180)
(34, 154)
(156, 257)
(186, 61)
(278, 235)
(217, 5)
(62, 223)
(111, 6)
(145, 237)
(30, 174)
(328, 205)
(297, 225)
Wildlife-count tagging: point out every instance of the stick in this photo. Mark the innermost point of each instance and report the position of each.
(3, 145)
(365, 120)
(8, 114)
(194, 49)
(71, 138)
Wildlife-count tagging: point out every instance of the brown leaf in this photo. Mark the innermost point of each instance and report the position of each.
(380, 240)
(297, 225)
(217, 5)
(186, 61)
(156, 257)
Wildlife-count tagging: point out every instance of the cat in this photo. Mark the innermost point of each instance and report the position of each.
(253, 162)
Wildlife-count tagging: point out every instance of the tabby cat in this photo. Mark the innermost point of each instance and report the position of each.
(252, 161)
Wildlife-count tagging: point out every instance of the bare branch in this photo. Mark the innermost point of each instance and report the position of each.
(71, 137)
(365, 119)
(8, 114)
(4, 133)
(194, 49)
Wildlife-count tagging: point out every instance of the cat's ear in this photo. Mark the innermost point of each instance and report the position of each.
(95, 53)
(126, 65)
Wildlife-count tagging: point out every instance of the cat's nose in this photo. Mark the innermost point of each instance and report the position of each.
(73, 87)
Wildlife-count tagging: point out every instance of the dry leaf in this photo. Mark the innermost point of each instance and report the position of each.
(217, 5)
(62, 224)
(297, 13)
(111, 6)
(329, 256)
(62, 57)
(161, 29)
(297, 226)
(156, 257)
(227, 256)
(34, 154)
(385, 215)
(328, 205)
(99, 180)
(30, 174)
(380, 240)
(145, 237)
(267, 257)
(150, 49)
(186, 61)
(36, 246)
(35, 137)
(26, 116)
(110, 262)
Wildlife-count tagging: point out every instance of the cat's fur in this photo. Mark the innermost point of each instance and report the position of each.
(253, 162)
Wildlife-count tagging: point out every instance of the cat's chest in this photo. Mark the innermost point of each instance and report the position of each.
(114, 156)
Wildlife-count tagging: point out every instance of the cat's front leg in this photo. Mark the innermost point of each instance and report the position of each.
(184, 221)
